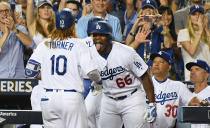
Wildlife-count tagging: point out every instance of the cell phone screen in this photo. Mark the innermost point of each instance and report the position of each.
(146, 18)
(18, 9)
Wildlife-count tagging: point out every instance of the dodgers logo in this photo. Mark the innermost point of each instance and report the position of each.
(138, 65)
(148, 1)
(110, 73)
(196, 6)
(163, 97)
(98, 26)
(62, 23)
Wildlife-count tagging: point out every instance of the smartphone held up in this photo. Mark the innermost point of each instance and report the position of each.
(18, 9)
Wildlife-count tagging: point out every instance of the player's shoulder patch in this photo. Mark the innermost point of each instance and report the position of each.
(88, 41)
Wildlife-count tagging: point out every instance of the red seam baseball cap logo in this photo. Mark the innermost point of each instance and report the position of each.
(8, 114)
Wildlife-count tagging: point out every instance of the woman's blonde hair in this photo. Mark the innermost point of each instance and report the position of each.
(59, 34)
(204, 36)
(50, 27)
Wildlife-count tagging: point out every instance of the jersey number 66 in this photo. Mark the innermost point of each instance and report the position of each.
(121, 82)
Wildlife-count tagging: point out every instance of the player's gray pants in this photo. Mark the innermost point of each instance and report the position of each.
(129, 111)
(64, 110)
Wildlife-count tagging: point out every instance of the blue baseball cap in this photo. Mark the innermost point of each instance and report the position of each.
(74, 2)
(196, 8)
(163, 55)
(64, 19)
(200, 63)
(149, 3)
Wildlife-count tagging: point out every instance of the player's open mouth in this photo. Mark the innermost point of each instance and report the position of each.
(98, 45)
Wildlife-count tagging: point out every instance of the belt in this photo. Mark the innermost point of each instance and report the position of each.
(123, 97)
(59, 90)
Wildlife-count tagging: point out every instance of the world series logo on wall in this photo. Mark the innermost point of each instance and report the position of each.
(17, 86)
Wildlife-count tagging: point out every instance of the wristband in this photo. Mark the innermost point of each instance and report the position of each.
(131, 34)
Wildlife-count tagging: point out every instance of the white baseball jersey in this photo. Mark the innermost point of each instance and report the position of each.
(62, 64)
(203, 95)
(121, 73)
(169, 95)
(97, 58)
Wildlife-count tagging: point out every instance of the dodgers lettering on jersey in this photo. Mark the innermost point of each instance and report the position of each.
(61, 45)
(110, 73)
(163, 97)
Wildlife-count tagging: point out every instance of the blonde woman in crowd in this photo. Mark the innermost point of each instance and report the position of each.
(43, 23)
(195, 39)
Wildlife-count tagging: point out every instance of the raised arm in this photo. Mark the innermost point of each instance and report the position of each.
(191, 47)
(129, 8)
(62, 5)
(25, 39)
(30, 18)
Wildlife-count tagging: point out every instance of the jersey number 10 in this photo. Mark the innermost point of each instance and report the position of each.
(56, 65)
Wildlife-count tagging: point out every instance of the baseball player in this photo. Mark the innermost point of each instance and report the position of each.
(63, 59)
(199, 73)
(125, 78)
(169, 94)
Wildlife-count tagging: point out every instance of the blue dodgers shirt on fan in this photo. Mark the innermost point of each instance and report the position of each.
(61, 45)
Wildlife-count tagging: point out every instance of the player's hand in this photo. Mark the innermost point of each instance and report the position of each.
(204, 103)
(143, 32)
(150, 113)
(96, 88)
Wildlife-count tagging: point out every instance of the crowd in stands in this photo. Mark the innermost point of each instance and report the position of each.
(180, 27)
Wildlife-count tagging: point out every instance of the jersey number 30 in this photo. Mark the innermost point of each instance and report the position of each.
(171, 111)
(56, 65)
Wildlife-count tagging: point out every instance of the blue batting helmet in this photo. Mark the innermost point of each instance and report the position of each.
(99, 27)
(92, 21)
(64, 19)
